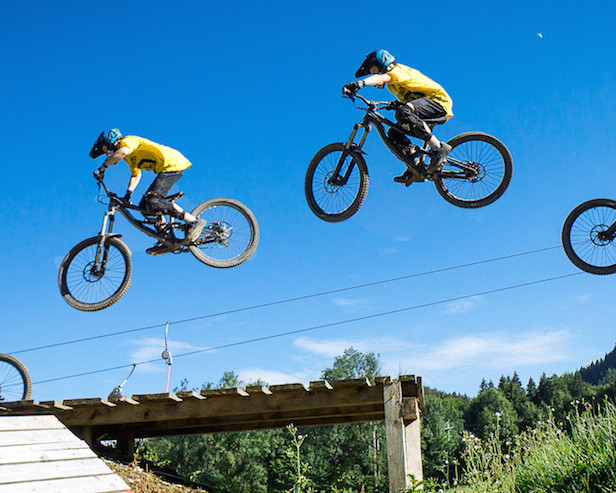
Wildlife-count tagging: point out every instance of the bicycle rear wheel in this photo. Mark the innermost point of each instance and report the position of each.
(15, 383)
(477, 171)
(335, 203)
(230, 236)
(88, 286)
(583, 239)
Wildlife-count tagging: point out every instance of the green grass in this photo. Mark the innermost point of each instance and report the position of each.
(578, 455)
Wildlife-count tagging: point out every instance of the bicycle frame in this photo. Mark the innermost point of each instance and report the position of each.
(414, 164)
(116, 204)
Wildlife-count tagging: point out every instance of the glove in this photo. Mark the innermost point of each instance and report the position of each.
(392, 106)
(351, 88)
(126, 197)
(99, 174)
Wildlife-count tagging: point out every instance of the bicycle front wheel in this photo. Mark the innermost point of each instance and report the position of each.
(15, 383)
(336, 202)
(230, 236)
(584, 240)
(477, 171)
(92, 277)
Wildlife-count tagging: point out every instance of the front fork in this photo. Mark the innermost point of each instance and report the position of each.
(102, 252)
(350, 145)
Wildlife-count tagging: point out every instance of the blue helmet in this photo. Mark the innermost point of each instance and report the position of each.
(110, 138)
(381, 58)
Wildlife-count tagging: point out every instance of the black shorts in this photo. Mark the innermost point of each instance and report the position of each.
(427, 109)
(163, 183)
(412, 119)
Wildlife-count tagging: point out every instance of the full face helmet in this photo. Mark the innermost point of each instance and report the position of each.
(110, 138)
(381, 58)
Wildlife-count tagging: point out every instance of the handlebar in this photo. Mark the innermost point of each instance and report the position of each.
(374, 105)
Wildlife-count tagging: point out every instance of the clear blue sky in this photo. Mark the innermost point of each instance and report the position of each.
(249, 93)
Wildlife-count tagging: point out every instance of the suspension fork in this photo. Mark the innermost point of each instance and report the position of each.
(102, 251)
(350, 145)
(610, 232)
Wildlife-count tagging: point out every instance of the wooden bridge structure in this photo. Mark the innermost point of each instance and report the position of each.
(398, 402)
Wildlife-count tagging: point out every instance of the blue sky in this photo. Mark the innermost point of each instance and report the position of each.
(249, 93)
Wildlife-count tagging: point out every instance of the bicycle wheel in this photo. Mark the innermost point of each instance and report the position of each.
(15, 383)
(582, 236)
(83, 286)
(230, 236)
(477, 171)
(335, 203)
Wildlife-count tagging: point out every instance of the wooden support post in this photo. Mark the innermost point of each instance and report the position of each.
(402, 427)
(126, 444)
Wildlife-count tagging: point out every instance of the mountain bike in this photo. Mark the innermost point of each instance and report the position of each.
(588, 236)
(476, 173)
(97, 272)
(15, 382)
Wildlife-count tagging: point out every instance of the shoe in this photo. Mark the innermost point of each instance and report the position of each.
(405, 178)
(158, 249)
(194, 230)
(438, 158)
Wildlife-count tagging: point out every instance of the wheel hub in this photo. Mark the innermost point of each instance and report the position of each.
(598, 236)
(328, 184)
(91, 273)
(477, 171)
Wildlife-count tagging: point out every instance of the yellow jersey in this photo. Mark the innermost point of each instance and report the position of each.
(147, 155)
(408, 84)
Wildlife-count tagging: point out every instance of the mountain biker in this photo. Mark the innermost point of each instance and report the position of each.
(167, 163)
(420, 98)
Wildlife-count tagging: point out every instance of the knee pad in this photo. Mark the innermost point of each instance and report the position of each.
(409, 120)
(153, 203)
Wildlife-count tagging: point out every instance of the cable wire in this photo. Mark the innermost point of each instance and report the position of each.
(322, 326)
(287, 300)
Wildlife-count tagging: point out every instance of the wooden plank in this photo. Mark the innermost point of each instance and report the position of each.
(288, 387)
(320, 385)
(10, 456)
(101, 483)
(223, 405)
(394, 432)
(410, 408)
(23, 437)
(123, 400)
(89, 402)
(55, 405)
(224, 392)
(162, 397)
(257, 389)
(44, 447)
(190, 394)
(18, 473)
(381, 380)
(43, 422)
(351, 383)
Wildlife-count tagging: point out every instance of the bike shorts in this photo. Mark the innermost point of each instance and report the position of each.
(424, 109)
(154, 198)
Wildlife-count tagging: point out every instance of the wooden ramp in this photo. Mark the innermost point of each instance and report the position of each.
(39, 454)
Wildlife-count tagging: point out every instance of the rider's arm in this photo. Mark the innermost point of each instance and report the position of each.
(376, 80)
(118, 155)
(134, 181)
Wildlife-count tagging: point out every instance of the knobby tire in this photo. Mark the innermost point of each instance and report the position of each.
(335, 203)
(494, 178)
(23, 383)
(73, 298)
(579, 237)
(246, 235)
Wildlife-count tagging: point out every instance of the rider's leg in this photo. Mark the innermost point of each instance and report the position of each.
(154, 200)
(413, 114)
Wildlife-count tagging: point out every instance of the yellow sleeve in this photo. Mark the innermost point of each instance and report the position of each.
(397, 75)
(131, 142)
